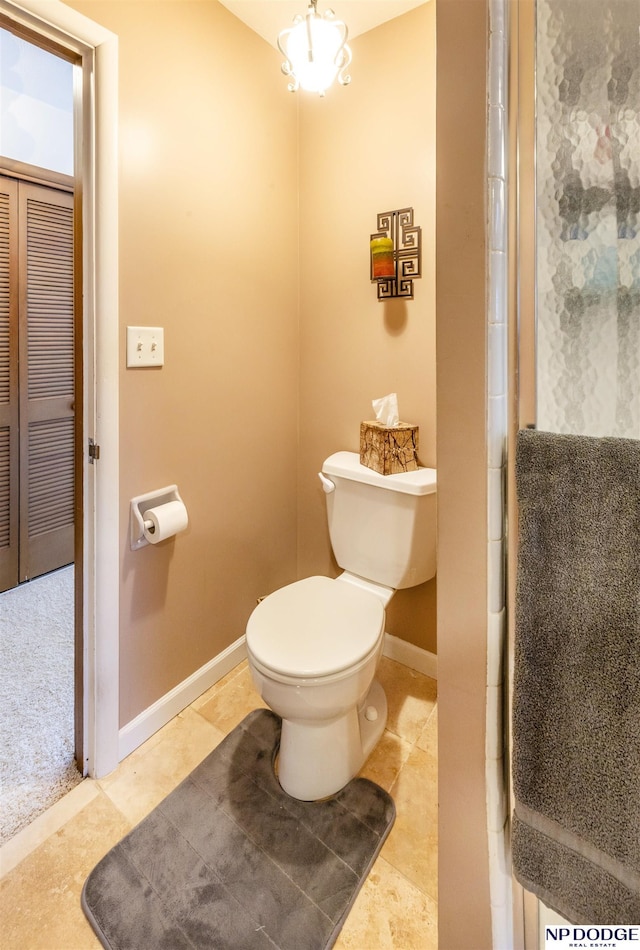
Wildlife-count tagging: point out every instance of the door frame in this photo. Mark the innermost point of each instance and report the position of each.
(96, 182)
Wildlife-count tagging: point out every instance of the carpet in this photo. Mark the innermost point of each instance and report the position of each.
(37, 764)
(229, 861)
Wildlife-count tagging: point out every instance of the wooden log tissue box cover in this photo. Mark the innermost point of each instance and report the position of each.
(389, 450)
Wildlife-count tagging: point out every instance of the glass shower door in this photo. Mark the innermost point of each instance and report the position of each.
(588, 217)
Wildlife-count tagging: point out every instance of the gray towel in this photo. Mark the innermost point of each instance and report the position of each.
(576, 703)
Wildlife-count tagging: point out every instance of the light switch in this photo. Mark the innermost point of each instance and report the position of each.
(145, 346)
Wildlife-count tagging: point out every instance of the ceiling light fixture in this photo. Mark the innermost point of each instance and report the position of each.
(315, 50)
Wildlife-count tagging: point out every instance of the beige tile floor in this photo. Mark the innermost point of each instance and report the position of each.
(43, 868)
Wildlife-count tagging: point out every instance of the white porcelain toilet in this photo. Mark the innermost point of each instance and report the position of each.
(313, 646)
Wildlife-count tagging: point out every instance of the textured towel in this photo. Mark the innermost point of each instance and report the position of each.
(576, 704)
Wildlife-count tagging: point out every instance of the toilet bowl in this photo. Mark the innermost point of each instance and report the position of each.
(313, 649)
(313, 646)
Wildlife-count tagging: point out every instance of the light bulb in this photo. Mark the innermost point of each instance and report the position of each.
(316, 51)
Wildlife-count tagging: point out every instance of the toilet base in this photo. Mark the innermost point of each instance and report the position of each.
(317, 759)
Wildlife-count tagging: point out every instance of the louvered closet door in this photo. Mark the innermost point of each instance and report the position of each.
(46, 379)
(8, 383)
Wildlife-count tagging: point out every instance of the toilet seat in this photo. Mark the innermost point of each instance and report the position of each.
(315, 628)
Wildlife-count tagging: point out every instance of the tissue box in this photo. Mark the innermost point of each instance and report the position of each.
(389, 450)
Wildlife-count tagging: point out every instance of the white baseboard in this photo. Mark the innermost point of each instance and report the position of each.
(410, 655)
(161, 712)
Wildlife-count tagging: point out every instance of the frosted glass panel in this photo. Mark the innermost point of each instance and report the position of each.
(36, 105)
(588, 216)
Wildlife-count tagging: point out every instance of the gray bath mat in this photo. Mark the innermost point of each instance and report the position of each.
(229, 860)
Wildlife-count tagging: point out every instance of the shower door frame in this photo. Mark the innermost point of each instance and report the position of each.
(522, 342)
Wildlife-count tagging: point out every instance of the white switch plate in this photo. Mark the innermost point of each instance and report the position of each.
(145, 346)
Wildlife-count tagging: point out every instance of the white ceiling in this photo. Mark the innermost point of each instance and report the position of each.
(269, 17)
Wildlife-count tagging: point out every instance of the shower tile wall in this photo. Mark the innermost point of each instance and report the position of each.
(499, 875)
(588, 211)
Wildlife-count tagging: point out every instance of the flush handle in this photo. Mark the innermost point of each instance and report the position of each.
(327, 484)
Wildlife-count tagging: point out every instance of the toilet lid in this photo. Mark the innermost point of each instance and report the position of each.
(315, 627)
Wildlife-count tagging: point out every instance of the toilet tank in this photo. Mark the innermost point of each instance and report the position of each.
(382, 527)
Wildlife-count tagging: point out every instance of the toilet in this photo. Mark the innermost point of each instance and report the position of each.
(313, 646)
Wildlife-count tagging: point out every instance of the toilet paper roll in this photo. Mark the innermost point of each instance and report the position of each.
(165, 521)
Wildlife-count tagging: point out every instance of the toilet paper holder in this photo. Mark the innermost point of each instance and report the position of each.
(142, 503)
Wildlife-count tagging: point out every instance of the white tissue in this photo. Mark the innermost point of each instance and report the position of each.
(165, 521)
(386, 410)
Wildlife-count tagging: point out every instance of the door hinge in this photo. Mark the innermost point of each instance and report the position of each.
(94, 451)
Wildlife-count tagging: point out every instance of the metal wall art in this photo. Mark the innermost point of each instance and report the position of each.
(396, 254)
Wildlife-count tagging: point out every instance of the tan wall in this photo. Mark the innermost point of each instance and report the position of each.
(208, 248)
(463, 887)
(365, 149)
